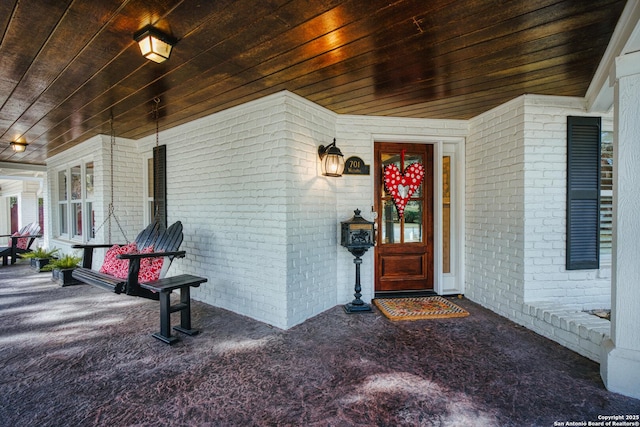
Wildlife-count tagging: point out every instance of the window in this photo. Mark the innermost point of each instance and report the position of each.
(63, 204)
(88, 200)
(76, 217)
(76, 201)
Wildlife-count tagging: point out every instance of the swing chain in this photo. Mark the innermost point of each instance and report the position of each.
(111, 209)
(156, 117)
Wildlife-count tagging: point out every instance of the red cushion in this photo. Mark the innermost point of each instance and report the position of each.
(23, 242)
(11, 240)
(150, 268)
(109, 258)
(113, 265)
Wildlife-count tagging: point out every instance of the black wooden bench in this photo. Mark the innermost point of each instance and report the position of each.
(164, 287)
(30, 231)
(165, 243)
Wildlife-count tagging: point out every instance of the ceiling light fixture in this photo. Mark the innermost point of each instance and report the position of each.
(154, 44)
(18, 146)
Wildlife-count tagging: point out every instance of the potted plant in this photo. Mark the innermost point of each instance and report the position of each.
(40, 257)
(62, 268)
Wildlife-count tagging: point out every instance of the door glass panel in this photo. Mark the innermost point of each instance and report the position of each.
(407, 229)
(408, 160)
(389, 159)
(446, 214)
(413, 222)
(390, 223)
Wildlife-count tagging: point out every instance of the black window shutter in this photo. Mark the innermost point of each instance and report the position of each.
(583, 192)
(160, 184)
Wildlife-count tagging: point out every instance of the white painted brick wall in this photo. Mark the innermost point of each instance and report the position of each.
(225, 183)
(127, 193)
(261, 223)
(258, 216)
(516, 208)
(311, 214)
(546, 277)
(88, 150)
(495, 241)
(128, 190)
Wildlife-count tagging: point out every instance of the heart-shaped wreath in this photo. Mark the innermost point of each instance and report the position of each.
(401, 185)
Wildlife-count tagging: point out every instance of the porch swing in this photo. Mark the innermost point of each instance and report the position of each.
(150, 255)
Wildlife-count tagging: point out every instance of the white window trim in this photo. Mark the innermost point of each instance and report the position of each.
(83, 201)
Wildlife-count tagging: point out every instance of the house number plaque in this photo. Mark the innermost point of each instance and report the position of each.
(355, 166)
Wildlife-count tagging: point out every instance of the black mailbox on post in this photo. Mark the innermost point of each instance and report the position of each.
(357, 235)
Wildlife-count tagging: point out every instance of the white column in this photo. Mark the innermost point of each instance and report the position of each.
(5, 221)
(620, 367)
(28, 207)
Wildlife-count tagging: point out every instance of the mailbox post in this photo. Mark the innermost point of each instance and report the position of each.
(357, 235)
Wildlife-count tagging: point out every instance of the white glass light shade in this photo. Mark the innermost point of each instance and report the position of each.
(331, 159)
(154, 45)
(18, 147)
(333, 165)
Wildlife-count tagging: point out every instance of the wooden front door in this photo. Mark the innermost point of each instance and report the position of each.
(404, 251)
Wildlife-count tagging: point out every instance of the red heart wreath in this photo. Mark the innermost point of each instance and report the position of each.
(402, 185)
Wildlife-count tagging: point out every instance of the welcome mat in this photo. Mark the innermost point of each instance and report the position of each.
(419, 308)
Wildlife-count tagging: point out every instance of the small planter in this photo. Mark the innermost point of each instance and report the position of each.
(62, 268)
(39, 258)
(63, 276)
(38, 263)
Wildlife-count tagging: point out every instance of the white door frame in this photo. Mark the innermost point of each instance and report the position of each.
(453, 282)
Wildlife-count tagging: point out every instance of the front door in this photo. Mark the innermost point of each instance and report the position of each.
(404, 251)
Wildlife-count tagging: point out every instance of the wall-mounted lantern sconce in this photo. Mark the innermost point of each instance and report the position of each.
(332, 159)
(154, 44)
(18, 146)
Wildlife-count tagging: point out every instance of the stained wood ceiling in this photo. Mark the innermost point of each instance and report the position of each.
(67, 66)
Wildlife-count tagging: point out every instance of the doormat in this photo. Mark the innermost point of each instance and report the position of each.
(419, 308)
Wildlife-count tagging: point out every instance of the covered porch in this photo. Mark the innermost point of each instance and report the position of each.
(242, 151)
(81, 356)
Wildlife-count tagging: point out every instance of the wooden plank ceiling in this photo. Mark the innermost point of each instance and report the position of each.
(67, 66)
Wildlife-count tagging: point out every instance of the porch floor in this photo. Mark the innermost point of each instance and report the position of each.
(79, 356)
